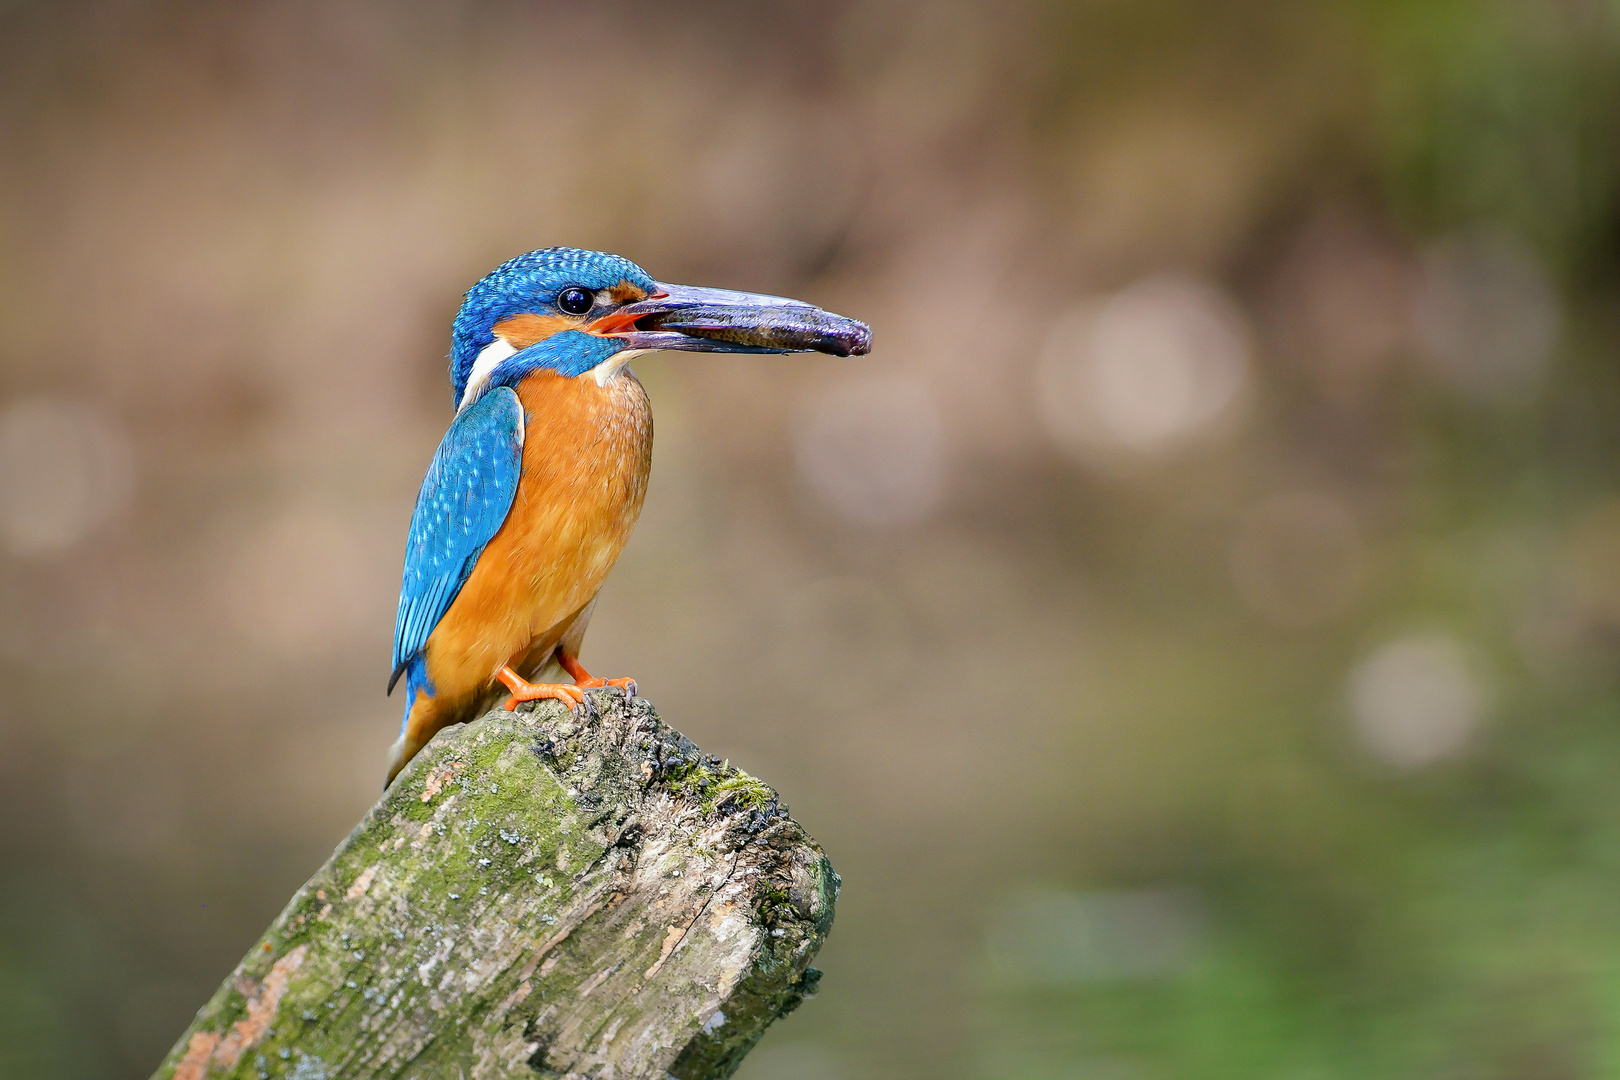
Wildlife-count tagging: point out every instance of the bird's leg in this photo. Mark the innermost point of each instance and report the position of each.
(586, 681)
(524, 690)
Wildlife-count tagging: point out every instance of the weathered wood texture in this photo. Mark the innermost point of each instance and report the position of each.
(539, 895)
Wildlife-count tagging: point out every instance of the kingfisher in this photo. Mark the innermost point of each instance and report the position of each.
(540, 478)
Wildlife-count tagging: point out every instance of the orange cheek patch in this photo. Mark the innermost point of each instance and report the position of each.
(521, 331)
(625, 293)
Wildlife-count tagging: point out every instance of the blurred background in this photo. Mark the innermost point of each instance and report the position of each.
(1192, 633)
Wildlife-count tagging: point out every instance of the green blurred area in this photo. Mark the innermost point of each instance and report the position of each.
(1191, 633)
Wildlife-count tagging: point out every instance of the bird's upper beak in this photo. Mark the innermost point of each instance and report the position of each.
(693, 319)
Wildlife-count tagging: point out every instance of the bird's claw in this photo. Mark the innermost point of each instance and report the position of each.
(523, 690)
(627, 685)
(575, 696)
(586, 681)
(594, 683)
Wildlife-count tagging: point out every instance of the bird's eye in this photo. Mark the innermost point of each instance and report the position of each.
(575, 300)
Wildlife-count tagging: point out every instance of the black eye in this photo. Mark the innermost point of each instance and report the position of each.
(575, 300)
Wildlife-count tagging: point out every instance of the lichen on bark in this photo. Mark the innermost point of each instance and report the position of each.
(539, 894)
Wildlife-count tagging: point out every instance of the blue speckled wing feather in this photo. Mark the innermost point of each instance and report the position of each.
(465, 497)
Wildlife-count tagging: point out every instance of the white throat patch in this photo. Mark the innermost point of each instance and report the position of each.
(488, 360)
(615, 364)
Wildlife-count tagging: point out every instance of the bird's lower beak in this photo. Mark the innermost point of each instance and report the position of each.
(717, 320)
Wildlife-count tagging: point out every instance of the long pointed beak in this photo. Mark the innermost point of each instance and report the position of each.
(691, 319)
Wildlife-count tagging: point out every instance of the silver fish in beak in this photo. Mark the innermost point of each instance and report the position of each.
(691, 319)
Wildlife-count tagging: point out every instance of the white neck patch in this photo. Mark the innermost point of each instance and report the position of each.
(615, 364)
(488, 360)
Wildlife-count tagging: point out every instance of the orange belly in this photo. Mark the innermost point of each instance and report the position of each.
(587, 452)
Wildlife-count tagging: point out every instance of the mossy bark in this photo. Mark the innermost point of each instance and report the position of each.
(539, 894)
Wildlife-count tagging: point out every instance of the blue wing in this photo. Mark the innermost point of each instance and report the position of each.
(465, 497)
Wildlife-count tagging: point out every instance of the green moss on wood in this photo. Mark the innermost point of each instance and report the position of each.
(537, 894)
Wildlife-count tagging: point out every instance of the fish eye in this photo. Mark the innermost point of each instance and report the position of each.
(575, 300)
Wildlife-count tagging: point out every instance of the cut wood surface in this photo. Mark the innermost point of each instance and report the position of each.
(543, 894)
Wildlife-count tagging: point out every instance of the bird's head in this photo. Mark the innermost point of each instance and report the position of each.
(576, 312)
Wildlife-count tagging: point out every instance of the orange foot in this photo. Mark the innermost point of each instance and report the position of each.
(524, 690)
(584, 680)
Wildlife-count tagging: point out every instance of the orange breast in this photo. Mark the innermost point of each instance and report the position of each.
(587, 452)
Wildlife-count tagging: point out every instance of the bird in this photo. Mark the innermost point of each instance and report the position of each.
(539, 479)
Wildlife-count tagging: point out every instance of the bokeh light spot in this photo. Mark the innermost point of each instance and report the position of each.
(1416, 700)
(1148, 370)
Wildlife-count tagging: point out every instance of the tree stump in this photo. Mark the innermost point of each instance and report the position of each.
(539, 894)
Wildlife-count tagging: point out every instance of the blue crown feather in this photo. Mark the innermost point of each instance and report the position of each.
(529, 283)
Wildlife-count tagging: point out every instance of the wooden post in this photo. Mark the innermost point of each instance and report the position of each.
(540, 894)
